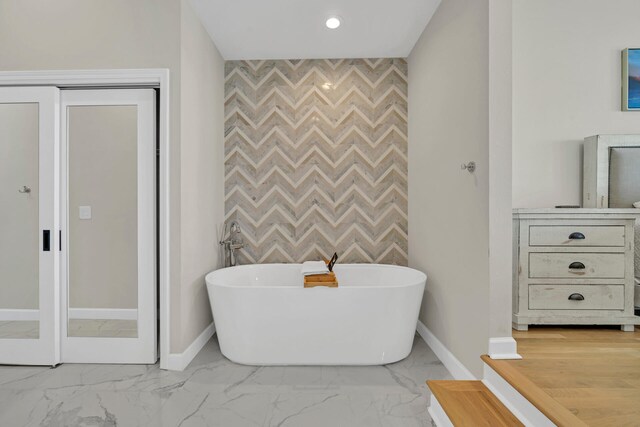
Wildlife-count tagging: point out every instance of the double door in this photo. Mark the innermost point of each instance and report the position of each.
(77, 226)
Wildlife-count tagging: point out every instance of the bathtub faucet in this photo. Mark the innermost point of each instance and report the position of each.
(231, 243)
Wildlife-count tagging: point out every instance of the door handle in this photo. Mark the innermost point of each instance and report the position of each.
(46, 240)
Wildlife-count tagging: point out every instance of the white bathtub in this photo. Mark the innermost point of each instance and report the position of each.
(264, 315)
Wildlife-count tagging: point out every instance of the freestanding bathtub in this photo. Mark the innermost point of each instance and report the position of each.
(264, 315)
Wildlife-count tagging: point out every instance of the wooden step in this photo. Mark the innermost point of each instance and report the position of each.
(471, 403)
(546, 404)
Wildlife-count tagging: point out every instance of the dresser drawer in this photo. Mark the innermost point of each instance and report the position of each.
(571, 265)
(576, 297)
(576, 235)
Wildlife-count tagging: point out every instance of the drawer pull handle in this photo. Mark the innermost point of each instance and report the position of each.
(577, 266)
(576, 297)
(576, 236)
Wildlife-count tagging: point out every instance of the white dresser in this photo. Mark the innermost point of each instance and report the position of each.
(574, 267)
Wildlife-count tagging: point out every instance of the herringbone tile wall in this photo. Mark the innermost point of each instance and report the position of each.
(316, 159)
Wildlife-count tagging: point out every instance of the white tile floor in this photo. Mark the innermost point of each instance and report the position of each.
(213, 391)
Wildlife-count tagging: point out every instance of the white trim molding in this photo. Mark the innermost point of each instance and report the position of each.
(151, 77)
(103, 313)
(94, 78)
(12, 315)
(179, 361)
(503, 348)
(453, 365)
(519, 406)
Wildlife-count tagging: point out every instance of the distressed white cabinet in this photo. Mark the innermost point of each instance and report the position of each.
(573, 267)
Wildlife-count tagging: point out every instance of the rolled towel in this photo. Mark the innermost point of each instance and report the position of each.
(636, 205)
(314, 267)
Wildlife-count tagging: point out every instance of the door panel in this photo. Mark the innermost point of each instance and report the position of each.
(19, 191)
(103, 220)
(29, 285)
(109, 277)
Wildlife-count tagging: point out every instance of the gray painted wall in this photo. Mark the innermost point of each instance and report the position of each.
(448, 207)
(566, 86)
(202, 174)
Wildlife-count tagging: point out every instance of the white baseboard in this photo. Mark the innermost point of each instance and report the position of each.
(104, 313)
(438, 416)
(10, 314)
(503, 348)
(179, 361)
(455, 367)
(519, 406)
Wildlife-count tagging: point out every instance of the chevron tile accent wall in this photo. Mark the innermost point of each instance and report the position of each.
(316, 159)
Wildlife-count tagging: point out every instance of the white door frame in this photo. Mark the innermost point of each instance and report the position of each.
(94, 349)
(155, 78)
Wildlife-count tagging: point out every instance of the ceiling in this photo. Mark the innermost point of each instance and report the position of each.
(295, 29)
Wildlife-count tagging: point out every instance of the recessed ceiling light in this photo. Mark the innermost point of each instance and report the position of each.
(333, 22)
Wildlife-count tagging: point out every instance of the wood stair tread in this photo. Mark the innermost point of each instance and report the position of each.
(553, 410)
(471, 403)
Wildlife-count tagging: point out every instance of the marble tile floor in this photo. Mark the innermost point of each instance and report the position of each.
(214, 391)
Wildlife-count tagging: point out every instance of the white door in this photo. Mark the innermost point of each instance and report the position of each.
(29, 226)
(108, 209)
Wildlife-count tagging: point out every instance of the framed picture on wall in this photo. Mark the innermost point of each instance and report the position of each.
(631, 79)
